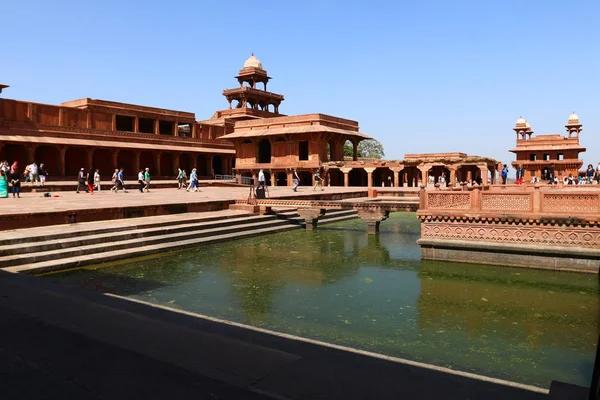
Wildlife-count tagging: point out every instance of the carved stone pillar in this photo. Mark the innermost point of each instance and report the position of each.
(175, 165)
(157, 172)
(396, 171)
(156, 127)
(135, 163)
(469, 176)
(311, 216)
(90, 159)
(370, 171)
(63, 161)
(452, 169)
(424, 173)
(273, 178)
(175, 128)
(290, 177)
(373, 219)
(209, 165)
(354, 151)
(346, 171)
(136, 124)
(115, 159)
(484, 174)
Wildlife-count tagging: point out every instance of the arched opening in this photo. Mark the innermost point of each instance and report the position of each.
(264, 152)
(440, 175)
(201, 165)
(217, 166)
(50, 157)
(125, 160)
(185, 163)
(16, 152)
(75, 159)
(166, 165)
(305, 178)
(281, 179)
(102, 159)
(410, 177)
(336, 177)
(357, 177)
(380, 177)
(348, 150)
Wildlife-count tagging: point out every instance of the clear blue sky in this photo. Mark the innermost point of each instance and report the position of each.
(420, 76)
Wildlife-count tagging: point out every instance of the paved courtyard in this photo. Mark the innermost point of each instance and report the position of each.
(62, 201)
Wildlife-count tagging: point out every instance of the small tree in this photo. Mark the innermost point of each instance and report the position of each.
(366, 149)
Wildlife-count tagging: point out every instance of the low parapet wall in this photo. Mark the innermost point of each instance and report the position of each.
(554, 229)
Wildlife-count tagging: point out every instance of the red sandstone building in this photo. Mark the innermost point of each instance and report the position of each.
(249, 135)
(538, 153)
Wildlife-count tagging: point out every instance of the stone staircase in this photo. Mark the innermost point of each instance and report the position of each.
(53, 248)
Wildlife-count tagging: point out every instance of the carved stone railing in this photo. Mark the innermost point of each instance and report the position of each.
(535, 227)
(577, 201)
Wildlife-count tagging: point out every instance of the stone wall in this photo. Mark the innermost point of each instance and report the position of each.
(557, 229)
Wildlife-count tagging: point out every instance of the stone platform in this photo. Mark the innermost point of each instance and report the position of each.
(33, 209)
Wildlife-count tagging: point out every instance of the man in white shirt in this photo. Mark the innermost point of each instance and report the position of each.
(261, 178)
(33, 173)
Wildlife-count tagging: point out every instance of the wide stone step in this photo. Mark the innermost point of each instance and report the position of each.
(87, 228)
(120, 254)
(88, 249)
(126, 233)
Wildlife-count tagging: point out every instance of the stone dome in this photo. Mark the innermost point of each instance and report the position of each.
(253, 62)
(521, 121)
(573, 118)
(527, 125)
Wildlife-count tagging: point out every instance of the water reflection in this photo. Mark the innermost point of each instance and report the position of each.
(338, 284)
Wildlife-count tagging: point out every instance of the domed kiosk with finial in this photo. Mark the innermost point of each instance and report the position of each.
(250, 100)
(253, 62)
(523, 129)
(573, 125)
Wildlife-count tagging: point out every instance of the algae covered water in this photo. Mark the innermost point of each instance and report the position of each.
(339, 285)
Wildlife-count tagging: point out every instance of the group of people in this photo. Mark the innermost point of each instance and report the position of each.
(192, 184)
(11, 176)
(591, 176)
(262, 181)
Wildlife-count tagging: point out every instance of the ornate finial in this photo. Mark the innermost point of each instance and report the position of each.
(251, 54)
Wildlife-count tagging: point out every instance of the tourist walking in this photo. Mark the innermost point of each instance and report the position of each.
(97, 183)
(90, 180)
(81, 181)
(15, 179)
(180, 178)
(318, 181)
(114, 179)
(33, 173)
(42, 174)
(141, 180)
(520, 174)
(261, 179)
(3, 183)
(147, 180)
(504, 174)
(193, 181)
(120, 181)
(295, 180)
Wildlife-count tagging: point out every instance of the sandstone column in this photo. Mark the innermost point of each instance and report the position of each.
(346, 171)
(158, 171)
(370, 171)
(63, 161)
(136, 124)
(424, 174)
(397, 171)
(156, 127)
(175, 128)
(452, 169)
(484, 174)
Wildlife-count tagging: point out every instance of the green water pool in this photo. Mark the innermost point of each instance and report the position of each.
(339, 285)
